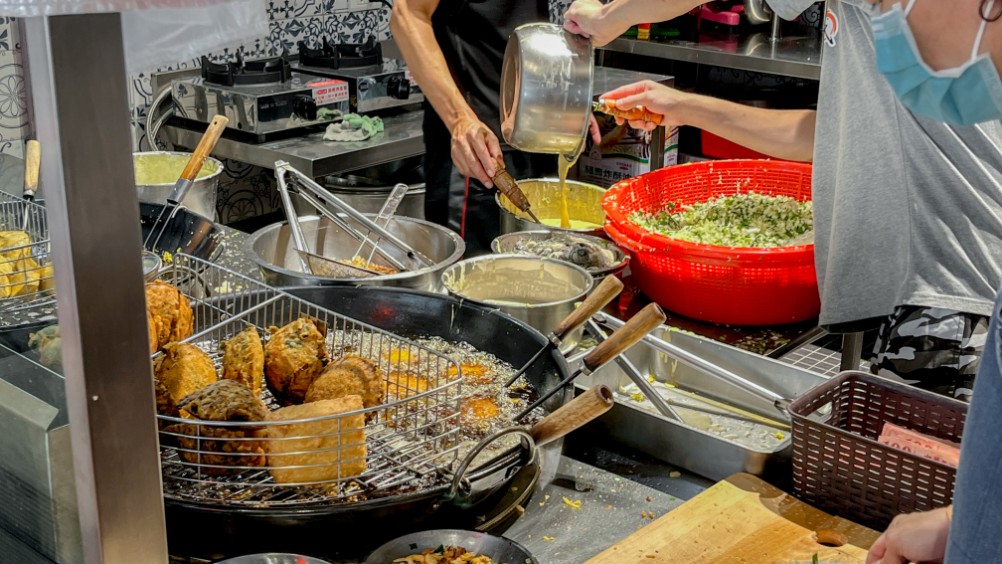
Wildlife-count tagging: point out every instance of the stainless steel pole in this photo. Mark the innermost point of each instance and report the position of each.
(81, 109)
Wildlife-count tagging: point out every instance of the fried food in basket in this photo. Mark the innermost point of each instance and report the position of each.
(168, 313)
(46, 278)
(294, 357)
(352, 375)
(24, 278)
(317, 451)
(184, 368)
(15, 245)
(165, 403)
(229, 447)
(243, 359)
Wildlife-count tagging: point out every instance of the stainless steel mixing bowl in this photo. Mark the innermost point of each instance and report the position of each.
(498, 549)
(507, 244)
(273, 251)
(536, 290)
(584, 204)
(201, 198)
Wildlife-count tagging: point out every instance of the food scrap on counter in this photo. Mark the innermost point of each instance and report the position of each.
(354, 127)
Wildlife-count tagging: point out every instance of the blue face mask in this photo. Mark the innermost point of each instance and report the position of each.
(969, 94)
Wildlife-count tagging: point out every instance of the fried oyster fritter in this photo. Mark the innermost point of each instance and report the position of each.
(328, 449)
(165, 403)
(350, 376)
(168, 313)
(294, 357)
(243, 359)
(184, 369)
(228, 447)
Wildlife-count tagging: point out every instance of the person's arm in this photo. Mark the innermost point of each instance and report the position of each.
(605, 22)
(784, 134)
(474, 147)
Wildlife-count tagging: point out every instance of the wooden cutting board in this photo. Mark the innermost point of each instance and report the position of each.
(743, 520)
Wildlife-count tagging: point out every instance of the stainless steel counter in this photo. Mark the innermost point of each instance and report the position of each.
(798, 57)
(312, 155)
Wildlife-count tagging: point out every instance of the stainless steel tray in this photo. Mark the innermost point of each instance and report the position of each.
(694, 450)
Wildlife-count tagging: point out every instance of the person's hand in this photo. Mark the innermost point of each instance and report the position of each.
(594, 129)
(586, 18)
(914, 537)
(475, 150)
(657, 98)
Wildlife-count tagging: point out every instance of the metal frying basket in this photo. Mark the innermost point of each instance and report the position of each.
(406, 443)
(23, 267)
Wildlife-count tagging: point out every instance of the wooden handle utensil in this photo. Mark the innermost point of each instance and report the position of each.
(201, 152)
(626, 336)
(32, 164)
(607, 290)
(573, 415)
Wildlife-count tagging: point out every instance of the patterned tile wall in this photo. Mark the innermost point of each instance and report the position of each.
(14, 126)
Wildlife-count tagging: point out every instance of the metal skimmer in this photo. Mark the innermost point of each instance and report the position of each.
(26, 275)
(410, 441)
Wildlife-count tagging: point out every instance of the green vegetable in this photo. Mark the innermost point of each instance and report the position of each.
(440, 549)
(815, 559)
(741, 220)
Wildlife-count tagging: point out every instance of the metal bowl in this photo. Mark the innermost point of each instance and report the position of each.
(536, 290)
(273, 558)
(275, 254)
(585, 204)
(201, 198)
(498, 549)
(506, 244)
(151, 265)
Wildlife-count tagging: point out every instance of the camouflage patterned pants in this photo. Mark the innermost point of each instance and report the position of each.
(931, 348)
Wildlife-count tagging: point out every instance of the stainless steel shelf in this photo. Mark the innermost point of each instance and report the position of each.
(798, 57)
(312, 155)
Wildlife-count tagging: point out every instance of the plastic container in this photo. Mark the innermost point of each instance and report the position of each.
(838, 465)
(727, 285)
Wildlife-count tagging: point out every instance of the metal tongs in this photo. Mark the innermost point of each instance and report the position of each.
(312, 263)
(779, 402)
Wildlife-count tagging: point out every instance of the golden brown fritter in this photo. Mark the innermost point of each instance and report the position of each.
(46, 278)
(479, 413)
(184, 369)
(243, 359)
(331, 449)
(294, 357)
(476, 374)
(169, 314)
(352, 375)
(165, 403)
(224, 400)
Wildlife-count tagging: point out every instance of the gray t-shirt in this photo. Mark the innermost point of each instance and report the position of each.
(908, 211)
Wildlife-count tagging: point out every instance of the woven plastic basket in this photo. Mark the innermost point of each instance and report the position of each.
(730, 285)
(838, 465)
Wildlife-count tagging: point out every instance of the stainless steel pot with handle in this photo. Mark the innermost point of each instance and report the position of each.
(157, 172)
(546, 89)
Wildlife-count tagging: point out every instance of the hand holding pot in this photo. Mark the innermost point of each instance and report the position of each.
(588, 19)
(475, 150)
(656, 98)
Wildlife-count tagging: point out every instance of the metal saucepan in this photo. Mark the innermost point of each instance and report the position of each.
(157, 172)
(536, 290)
(584, 204)
(546, 89)
(207, 531)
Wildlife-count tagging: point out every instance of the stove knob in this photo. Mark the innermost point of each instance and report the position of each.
(305, 107)
(398, 87)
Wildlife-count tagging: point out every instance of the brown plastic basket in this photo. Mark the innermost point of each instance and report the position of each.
(838, 465)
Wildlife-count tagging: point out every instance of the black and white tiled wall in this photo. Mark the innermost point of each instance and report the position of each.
(14, 126)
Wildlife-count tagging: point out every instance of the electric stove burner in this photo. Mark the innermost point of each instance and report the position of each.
(343, 56)
(247, 73)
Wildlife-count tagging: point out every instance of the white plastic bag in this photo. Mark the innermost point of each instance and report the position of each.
(164, 36)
